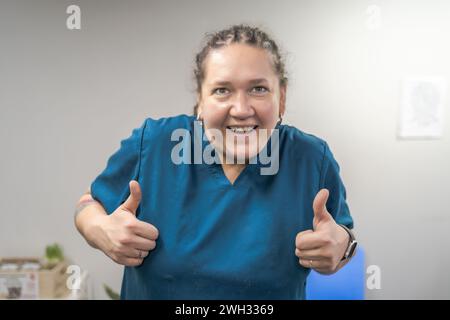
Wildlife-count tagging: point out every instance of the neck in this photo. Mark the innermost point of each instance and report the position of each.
(232, 171)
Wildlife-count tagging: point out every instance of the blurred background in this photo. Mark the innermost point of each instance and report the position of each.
(68, 96)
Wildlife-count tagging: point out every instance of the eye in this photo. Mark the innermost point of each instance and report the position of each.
(221, 91)
(259, 90)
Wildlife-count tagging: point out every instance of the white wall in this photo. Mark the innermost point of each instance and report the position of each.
(67, 98)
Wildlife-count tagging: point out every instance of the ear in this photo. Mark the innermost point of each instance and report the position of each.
(283, 99)
(199, 103)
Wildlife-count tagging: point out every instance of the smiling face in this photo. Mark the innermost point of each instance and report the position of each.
(240, 96)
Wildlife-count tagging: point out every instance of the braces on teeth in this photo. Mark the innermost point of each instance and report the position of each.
(241, 129)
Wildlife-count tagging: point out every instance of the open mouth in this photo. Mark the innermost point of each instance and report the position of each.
(242, 129)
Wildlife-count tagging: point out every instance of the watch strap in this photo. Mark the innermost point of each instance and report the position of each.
(352, 243)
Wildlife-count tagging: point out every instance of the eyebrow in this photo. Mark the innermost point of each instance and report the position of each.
(226, 83)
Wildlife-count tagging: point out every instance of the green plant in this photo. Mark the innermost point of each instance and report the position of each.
(111, 293)
(54, 254)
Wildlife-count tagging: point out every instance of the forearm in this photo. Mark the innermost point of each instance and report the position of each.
(88, 217)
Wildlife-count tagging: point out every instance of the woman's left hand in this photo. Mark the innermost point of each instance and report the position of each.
(322, 248)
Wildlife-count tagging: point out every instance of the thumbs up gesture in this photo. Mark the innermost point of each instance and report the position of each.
(323, 247)
(125, 239)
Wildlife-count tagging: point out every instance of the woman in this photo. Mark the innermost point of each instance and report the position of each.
(190, 228)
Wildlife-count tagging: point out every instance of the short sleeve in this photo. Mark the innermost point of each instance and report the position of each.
(111, 187)
(331, 180)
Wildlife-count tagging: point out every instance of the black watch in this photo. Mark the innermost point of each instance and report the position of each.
(352, 243)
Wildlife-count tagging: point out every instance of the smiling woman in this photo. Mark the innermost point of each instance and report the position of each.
(241, 94)
(241, 87)
(222, 229)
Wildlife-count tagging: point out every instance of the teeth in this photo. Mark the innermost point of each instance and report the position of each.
(241, 129)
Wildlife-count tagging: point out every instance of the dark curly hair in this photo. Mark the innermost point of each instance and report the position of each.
(238, 34)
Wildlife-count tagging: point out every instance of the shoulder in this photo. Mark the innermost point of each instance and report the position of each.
(163, 127)
(299, 143)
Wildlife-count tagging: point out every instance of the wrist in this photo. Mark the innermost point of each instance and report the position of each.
(343, 240)
(90, 222)
(350, 247)
(94, 231)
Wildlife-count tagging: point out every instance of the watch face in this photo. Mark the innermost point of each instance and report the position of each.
(352, 248)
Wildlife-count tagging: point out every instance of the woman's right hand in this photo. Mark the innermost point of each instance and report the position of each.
(121, 236)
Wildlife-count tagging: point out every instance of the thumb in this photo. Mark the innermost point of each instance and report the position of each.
(133, 200)
(319, 206)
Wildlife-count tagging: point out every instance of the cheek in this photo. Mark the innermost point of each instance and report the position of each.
(268, 114)
(214, 114)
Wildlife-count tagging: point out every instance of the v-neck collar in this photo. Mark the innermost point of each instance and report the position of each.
(216, 168)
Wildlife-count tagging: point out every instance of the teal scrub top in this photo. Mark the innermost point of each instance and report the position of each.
(219, 240)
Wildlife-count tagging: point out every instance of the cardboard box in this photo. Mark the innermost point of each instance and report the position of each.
(38, 282)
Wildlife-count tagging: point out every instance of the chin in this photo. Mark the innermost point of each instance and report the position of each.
(242, 153)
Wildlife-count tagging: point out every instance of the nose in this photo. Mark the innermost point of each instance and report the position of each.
(241, 108)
